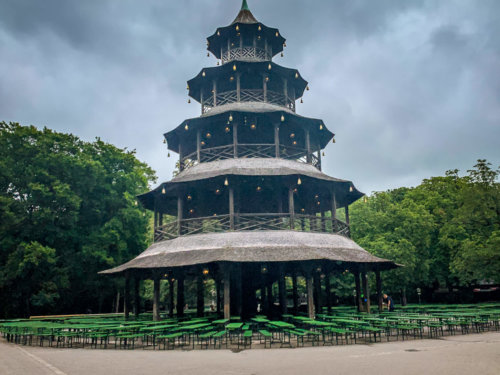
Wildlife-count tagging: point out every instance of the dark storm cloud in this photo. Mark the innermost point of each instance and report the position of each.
(411, 88)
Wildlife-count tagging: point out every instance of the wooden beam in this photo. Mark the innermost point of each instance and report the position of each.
(379, 290)
(231, 208)
(180, 296)
(156, 298)
(282, 289)
(358, 290)
(126, 297)
(137, 301)
(235, 139)
(200, 294)
(227, 292)
(366, 291)
(310, 295)
(171, 304)
(291, 208)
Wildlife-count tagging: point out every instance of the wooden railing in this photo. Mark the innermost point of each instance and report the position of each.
(248, 222)
(248, 95)
(251, 150)
(245, 54)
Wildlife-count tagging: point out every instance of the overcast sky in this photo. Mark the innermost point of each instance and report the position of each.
(411, 88)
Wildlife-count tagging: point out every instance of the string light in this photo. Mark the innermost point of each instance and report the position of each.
(217, 191)
(292, 135)
(135, 203)
(294, 143)
(301, 100)
(284, 44)
(302, 210)
(231, 78)
(316, 196)
(205, 271)
(295, 190)
(227, 129)
(258, 188)
(191, 211)
(209, 135)
(202, 143)
(189, 197)
(253, 126)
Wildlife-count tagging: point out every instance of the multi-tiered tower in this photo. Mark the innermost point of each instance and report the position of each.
(250, 202)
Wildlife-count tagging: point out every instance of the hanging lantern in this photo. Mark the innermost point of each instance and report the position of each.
(209, 135)
(284, 44)
(258, 37)
(282, 118)
(269, 66)
(316, 196)
(164, 141)
(299, 181)
(318, 203)
(253, 126)
(258, 188)
(292, 135)
(238, 34)
(351, 189)
(202, 143)
(302, 210)
(282, 54)
(320, 126)
(296, 74)
(294, 143)
(218, 63)
(307, 88)
(205, 271)
(226, 182)
(234, 67)
(295, 190)
(231, 78)
(203, 74)
(237, 27)
(168, 155)
(227, 129)
(218, 33)
(267, 79)
(259, 28)
(365, 199)
(163, 190)
(263, 269)
(302, 101)
(189, 101)
(186, 127)
(230, 117)
(333, 140)
(187, 87)
(208, 54)
(323, 153)
(135, 203)
(189, 197)
(191, 211)
(217, 191)
(277, 34)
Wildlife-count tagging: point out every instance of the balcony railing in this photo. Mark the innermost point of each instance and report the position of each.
(263, 150)
(248, 222)
(248, 95)
(245, 54)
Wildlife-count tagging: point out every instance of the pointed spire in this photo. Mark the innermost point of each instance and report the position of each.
(245, 16)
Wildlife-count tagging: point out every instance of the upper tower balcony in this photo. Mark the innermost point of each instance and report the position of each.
(246, 39)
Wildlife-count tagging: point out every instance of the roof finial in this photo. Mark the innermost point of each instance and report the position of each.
(244, 5)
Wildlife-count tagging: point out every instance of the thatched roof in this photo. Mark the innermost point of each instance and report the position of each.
(252, 246)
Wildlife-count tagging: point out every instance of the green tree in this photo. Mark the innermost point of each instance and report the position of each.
(67, 211)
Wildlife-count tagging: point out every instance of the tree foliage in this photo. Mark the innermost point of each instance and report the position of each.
(67, 211)
(446, 231)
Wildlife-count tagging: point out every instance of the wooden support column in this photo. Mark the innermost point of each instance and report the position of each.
(198, 145)
(263, 295)
(334, 213)
(202, 101)
(358, 290)
(285, 91)
(308, 146)
(239, 294)
(379, 290)
(276, 140)
(231, 208)
(217, 294)
(282, 289)
(214, 90)
(295, 293)
(180, 296)
(317, 292)
(328, 294)
(180, 209)
(319, 158)
(310, 295)
(264, 87)
(291, 208)
(171, 303)
(226, 279)
(366, 291)
(156, 297)
(200, 294)
(270, 297)
(181, 158)
(235, 139)
(238, 87)
(137, 301)
(126, 297)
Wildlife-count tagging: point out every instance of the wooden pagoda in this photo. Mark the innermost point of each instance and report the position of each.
(250, 203)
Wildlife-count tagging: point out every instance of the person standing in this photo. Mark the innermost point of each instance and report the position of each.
(390, 302)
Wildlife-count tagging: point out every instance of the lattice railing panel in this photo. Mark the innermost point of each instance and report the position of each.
(248, 95)
(245, 54)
